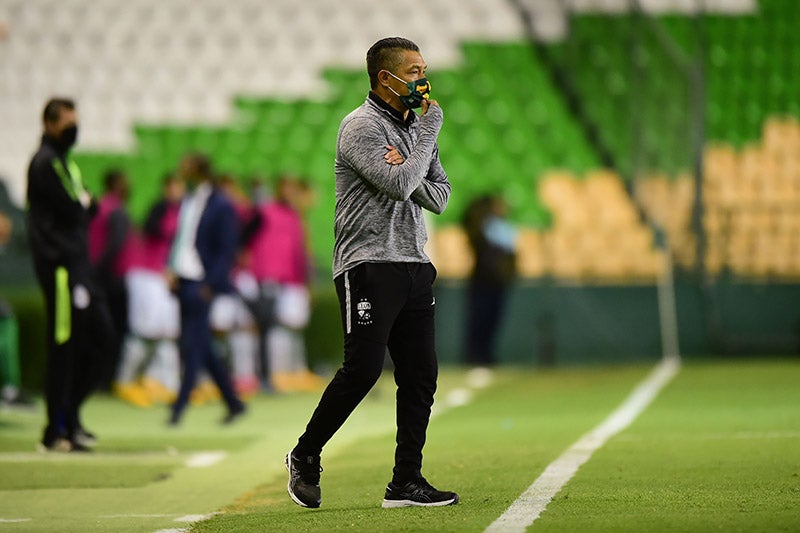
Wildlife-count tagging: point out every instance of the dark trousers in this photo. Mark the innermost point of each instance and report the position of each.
(117, 297)
(196, 348)
(485, 308)
(383, 305)
(78, 340)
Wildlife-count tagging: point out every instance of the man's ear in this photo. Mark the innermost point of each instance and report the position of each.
(383, 77)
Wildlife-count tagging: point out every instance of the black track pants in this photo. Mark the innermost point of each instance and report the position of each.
(79, 330)
(383, 305)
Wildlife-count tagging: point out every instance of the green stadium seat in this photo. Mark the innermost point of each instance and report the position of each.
(205, 139)
(506, 122)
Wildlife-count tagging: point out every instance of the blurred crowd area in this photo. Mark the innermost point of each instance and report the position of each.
(585, 116)
(258, 329)
(588, 142)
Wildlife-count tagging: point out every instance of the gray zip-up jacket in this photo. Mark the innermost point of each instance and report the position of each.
(378, 205)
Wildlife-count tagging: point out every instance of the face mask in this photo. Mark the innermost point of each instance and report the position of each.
(68, 136)
(418, 91)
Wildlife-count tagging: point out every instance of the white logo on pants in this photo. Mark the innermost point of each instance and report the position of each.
(364, 308)
(80, 297)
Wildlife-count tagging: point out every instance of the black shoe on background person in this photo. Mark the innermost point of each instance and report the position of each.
(233, 414)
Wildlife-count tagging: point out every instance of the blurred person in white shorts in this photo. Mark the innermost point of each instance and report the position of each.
(235, 329)
(153, 313)
(280, 263)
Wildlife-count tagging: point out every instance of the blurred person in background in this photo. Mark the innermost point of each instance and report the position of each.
(387, 171)
(231, 320)
(149, 368)
(110, 241)
(201, 260)
(78, 320)
(493, 242)
(280, 262)
(259, 298)
(11, 393)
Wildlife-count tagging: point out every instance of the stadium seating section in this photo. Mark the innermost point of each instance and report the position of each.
(752, 205)
(508, 126)
(751, 179)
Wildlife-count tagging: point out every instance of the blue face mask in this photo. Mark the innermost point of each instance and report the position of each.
(418, 91)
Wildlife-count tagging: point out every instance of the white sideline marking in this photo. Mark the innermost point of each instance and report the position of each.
(205, 459)
(530, 505)
(479, 378)
(458, 397)
(763, 435)
(739, 435)
(135, 516)
(39, 457)
(195, 517)
(14, 520)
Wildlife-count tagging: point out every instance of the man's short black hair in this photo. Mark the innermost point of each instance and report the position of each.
(112, 178)
(201, 164)
(386, 54)
(53, 108)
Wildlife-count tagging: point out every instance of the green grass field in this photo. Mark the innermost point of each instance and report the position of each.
(717, 450)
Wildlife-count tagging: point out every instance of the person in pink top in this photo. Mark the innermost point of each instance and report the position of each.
(279, 259)
(230, 318)
(154, 320)
(110, 255)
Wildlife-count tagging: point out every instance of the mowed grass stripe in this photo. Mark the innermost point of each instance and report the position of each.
(81, 499)
(485, 450)
(121, 489)
(719, 450)
(716, 450)
(529, 506)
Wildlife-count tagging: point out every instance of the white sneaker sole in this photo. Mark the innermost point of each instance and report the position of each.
(393, 504)
(89, 442)
(294, 498)
(59, 446)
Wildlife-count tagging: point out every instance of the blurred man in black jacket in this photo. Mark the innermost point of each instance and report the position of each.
(78, 321)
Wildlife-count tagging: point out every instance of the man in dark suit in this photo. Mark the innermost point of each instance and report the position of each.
(201, 260)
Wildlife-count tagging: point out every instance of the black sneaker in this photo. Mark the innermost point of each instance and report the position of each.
(57, 445)
(77, 447)
(233, 414)
(304, 480)
(418, 493)
(62, 445)
(174, 419)
(84, 438)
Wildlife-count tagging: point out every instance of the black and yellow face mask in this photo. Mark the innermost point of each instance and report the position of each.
(418, 90)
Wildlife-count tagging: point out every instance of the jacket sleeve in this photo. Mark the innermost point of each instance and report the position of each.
(152, 226)
(434, 191)
(225, 232)
(255, 222)
(362, 145)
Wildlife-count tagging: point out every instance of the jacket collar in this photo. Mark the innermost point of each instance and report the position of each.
(394, 113)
